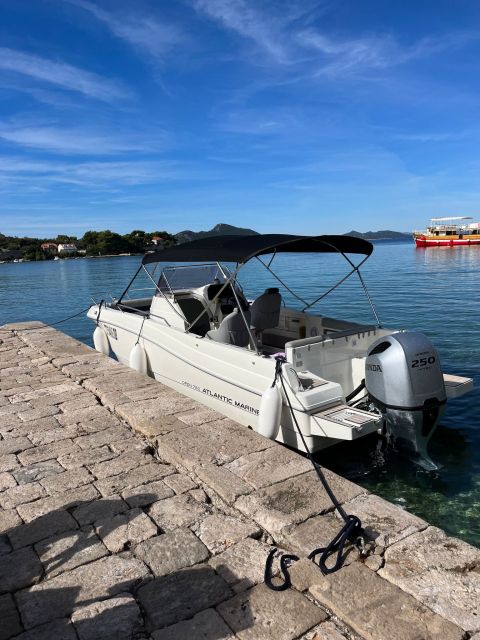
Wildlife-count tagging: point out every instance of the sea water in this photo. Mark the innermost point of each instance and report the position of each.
(433, 290)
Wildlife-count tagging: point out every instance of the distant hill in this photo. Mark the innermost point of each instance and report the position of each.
(218, 230)
(385, 234)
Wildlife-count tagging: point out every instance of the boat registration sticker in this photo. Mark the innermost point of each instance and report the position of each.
(110, 331)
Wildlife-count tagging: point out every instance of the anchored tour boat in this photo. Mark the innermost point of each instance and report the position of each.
(449, 232)
(277, 369)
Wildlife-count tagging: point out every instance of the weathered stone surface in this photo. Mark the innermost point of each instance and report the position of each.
(86, 458)
(7, 481)
(206, 625)
(37, 471)
(59, 501)
(172, 551)
(19, 569)
(125, 530)
(263, 468)
(81, 415)
(376, 609)
(9, 518)
(56, 434)
(325, 631)
(99, 510)
(199, 415)
(41, 528)
(21, 494)
(179, 511)
(59, 596)
(441, 572)
(66, 551)
(148, 493)
(181, 595)
(216, 442)
(67, 480)
(304, 573)
(100, 438)
(61, 629)
(114, 619)
(37, 414)
(14, 445)
(243, 564)
(10, 624)
(228, 486)
(8, 462)
(137, 476)
(47, 451)
(270, 615)
(294, 500)
(180, 482)
(218, 531)
(384, 522)
(121, 464)
(168, 402)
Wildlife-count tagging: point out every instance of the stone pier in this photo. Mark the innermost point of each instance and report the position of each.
(129, 511)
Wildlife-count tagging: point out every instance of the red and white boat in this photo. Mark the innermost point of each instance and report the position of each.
(449, 232)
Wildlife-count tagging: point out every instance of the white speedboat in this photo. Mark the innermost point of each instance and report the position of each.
(269, 366)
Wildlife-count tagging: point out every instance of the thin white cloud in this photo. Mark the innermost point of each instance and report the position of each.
(61, 75)
(144, 33)
(79, 141)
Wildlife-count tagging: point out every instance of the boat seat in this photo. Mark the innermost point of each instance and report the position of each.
(265, 310)
(232, 330)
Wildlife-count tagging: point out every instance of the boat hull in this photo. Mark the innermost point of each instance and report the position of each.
(425, 241)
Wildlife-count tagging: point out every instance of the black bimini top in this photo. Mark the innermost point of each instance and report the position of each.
(240, 249)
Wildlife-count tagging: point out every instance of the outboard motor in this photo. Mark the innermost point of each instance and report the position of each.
(405, 382)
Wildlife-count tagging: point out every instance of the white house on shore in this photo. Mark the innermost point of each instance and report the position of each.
(67, 248)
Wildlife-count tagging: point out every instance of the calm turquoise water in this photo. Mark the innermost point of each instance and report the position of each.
(433, 290)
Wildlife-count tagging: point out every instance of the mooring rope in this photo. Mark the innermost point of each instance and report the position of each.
(53, 324)
(351, 531)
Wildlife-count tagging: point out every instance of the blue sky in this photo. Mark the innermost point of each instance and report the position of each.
(283, 116)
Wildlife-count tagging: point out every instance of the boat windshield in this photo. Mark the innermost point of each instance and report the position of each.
(181, 278)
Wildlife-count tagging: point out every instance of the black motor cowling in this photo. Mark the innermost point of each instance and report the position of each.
(404, 381)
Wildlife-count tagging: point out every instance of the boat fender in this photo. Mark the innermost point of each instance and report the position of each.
(100, 341)
(138, 359)
(270, 413)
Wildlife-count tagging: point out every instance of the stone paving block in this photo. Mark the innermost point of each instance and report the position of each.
(179, 511)
(37, 414)
(376, 609)
(206, 625)
(84, 401)
(131, 479)
(219, 531)
(37, 471)
(7, 481)
(67, 480)
(147, 494)
(106, 436)
(263, 468)
(228, 486)
(14, 445)
(304, 574)
(48, 451)
(180, 482)
(61, 629)
(121, 464)
(7, 424)
(325, 631)
(43, 527)
(384, 522)
(86, 458)
(56, 434)
(8, 462)
(101, 424)
(148, 424)
(68, 550)
(60, 596)
(21, 494)
(166, 403)
(35, 428)
(9, 518)
(181, 595)
(59, 501)
(10, 624)
(125, 530)
(81, 415)
(129, 444)
(200, 415)
(114, 619)
(270, 615)
(294, 500)
(172, 551)
(99, 510)
(13, 409)
(243, 564)
(441, 572)
(19, 569)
